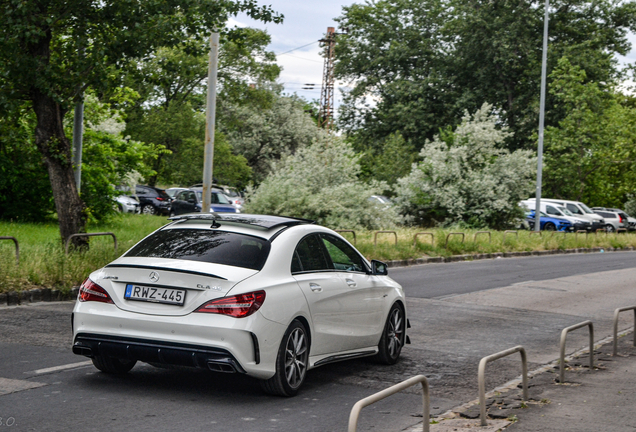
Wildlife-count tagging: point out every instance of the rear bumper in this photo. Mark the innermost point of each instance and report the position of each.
(168, 353)
(210, 341)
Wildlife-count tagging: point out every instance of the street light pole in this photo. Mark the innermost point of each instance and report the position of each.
(210, 115)
(544, 65)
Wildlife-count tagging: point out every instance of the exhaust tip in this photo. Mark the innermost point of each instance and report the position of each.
(223, 366)
(81, 350)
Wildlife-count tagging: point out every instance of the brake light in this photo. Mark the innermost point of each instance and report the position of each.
(90, 291)
(160, 199)
(238, 306)
(620, 218)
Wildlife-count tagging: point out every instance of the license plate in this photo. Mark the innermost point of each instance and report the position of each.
(155, 295)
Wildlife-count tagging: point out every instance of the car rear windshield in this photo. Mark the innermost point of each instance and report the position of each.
(209, 246)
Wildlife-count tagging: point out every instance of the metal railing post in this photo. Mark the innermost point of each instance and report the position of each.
(375, 237)
(426, 401)
(516, 233)
(576, 234)
(423, 233)
(564, 334)
(482, 379)
(68, 240)
(483, 232)
(558, 232)
(616, 312)
(17, 248)
(452, 234)
(349, 231)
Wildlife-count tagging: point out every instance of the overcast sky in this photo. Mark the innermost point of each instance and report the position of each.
(305, 23)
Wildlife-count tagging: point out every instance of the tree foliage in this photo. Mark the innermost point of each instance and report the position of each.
(590, 155)
(415, 66)
(51, 50)
(468, 177)
(320, 182)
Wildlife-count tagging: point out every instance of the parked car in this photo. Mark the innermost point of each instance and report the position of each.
(265, 296)
(614, 220)
(631, 222)
(231, 193)
(126, 204)
(152, 200)
(172, 192)
(191, 200)
(578, 209)
(554, 210)
(549, 223)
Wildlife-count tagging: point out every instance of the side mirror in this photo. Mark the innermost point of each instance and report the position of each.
(379, 268)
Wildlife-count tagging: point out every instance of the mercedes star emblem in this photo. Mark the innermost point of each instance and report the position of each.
(154, 276)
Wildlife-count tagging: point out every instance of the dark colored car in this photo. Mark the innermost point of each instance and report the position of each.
(550, 223)
(152, 200)
(190, 201)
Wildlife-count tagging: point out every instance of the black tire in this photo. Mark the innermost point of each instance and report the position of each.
(393, 336)
(609, 228)
(148, 209)
(549, 227)
(172, 213)
(112, 365)
(291, 362)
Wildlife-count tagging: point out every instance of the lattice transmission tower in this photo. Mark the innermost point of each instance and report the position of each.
(327, 92)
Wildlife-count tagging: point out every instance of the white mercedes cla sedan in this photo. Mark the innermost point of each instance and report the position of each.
(266, 296)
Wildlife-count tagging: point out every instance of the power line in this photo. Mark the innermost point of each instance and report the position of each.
(311, 43)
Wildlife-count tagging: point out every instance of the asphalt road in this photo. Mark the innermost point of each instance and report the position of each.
(459, 313)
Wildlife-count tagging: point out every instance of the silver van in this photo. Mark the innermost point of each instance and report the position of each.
(579, 210)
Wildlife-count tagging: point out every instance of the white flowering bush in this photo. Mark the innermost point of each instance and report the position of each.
(468, 178)
(320, 182)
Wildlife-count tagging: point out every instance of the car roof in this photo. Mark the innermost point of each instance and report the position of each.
(266, 226)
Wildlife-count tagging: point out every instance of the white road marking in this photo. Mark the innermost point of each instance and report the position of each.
(8, 386)
(60, 368)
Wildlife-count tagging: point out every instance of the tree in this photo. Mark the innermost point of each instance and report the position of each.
(320, 182)
(170, 111)
(590, 155)
(265, 136)
(419, 64)
(466, 176)
(52, 50)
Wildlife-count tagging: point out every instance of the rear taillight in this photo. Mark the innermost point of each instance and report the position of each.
(90, 291)
(160, 199)
(620, 218)
(238, 306)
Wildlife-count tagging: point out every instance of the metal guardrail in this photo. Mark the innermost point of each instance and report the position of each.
(426, 401)
(576, 234)
(375, 237)
(602, 230)
(535, 232)
(348, 231)
(557, 232)
(68, 240)
(564, 334)
(516, 233)
(616, 312)
(483, 232)
(620, 230)
(423, 233)
(482, 379)
(452, 234)
(17, 248)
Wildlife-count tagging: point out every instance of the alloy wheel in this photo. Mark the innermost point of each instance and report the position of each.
(296, 354)
(395, 332)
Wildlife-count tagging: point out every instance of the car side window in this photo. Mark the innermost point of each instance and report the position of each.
(181, 196)
(574, 209)
(343, 256)
(552, 211)
(310, 256)
(140, 191)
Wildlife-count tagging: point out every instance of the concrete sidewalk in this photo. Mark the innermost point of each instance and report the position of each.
(597, 400)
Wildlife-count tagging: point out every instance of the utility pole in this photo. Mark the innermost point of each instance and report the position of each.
(544, 63)
(325, 117)
(78, 135)
(210, 116)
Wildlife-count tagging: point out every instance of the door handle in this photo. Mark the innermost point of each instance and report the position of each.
(351, 282)
(315, 287)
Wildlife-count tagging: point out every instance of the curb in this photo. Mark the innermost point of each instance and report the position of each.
(36, 295)
(474, 257)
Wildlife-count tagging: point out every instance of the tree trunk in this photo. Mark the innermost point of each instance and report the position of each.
(55, 148)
